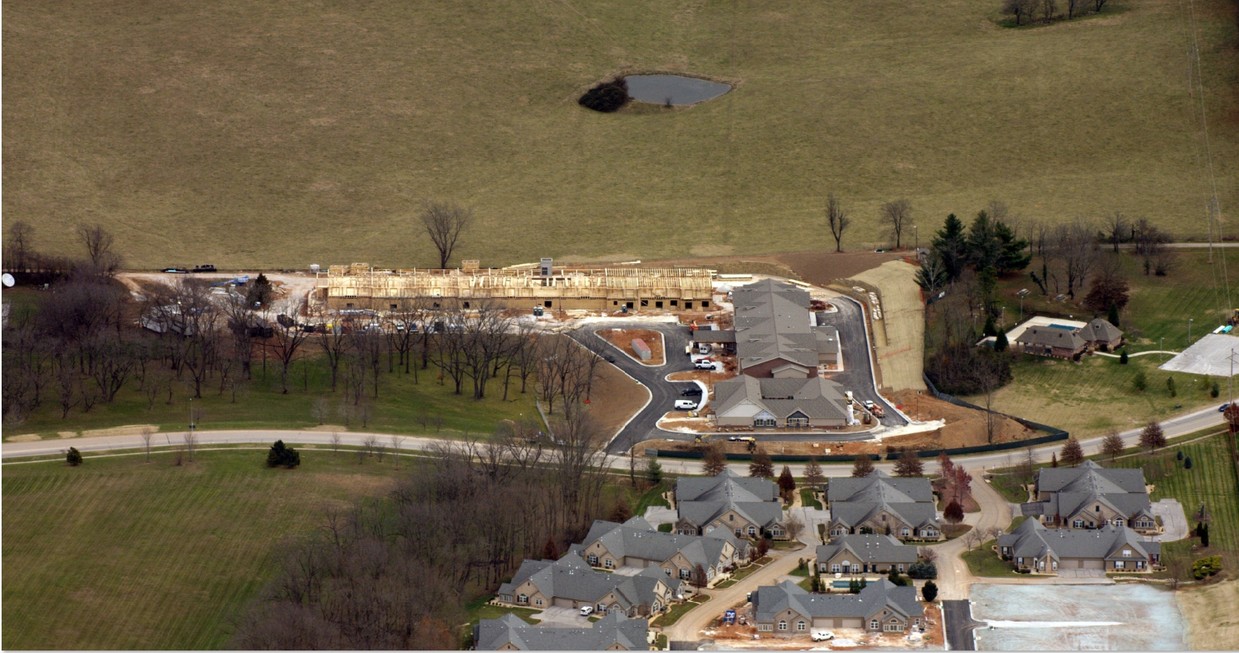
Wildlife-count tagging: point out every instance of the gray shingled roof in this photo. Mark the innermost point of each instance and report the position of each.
(714, 336)
(571, 578)
(772, 321)
(869, 548)
(1073, 487)
(1033, 540)
(611, 630)
(853, 500)
(1100, 330)
(816, 397)
(635, 538)
(1051, 337)
(700, 500)
(770, 600)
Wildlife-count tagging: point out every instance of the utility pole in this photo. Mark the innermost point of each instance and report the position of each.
(1189, 332)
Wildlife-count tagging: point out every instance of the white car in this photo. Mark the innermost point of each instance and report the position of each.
(822, 635)
(704, 364)
(685, 404)
(587, 610)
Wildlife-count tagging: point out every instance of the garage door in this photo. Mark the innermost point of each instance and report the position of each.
(1082, 563)
(564, 603)
(838, 622)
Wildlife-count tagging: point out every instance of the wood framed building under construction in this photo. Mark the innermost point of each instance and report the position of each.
(359, 286)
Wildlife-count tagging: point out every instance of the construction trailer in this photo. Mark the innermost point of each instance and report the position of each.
(360, 286)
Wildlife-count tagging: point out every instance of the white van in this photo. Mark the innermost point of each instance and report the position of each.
(587, 610)
(685, 404)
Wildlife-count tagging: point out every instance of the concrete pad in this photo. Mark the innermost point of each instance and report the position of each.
(1209, 356)
(1174, 520)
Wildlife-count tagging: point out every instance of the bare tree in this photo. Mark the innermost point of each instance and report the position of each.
(1118, 227)
(909, 464)
(1112, 445)
(191, 444)
(837, 219)
(320, 409)
(1072, 453)
(18, 245)
(1073, 6)
(444, 223)
(335, 441)
(813, 476)
(1021, 9)
(714, 462)
(286, 341)
(98, 242)
(897, 216)
(147, 434)
(862, 467)
(396, 441)
(1049, 9)
(794, 527)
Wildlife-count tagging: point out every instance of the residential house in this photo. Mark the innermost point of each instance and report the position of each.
(747, 507)
(571, 583)
(878, 503)
(1050, 341)
(1091, 496)
(611, 633)
(774, 337)
(636, 543)
(1100, 334)
(779, 403)
(1033, 547)
(787, 609)
(856, 554)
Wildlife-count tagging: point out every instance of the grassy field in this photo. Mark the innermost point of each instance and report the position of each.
(123, 554)
(1097, 394)
(401, 407)
(249, 134)
(983, 561)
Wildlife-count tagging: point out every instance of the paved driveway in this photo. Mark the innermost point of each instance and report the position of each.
(1174, 520)
(562, 616)
(857, 374)
(659, 515)
(1081, 573)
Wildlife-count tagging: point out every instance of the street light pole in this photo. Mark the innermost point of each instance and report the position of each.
(1189, 332)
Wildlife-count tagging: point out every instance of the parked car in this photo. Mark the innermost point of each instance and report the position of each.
(1223, 407)
(704, 364)
(205, 267)
(609, 358)
(175, 270)
(691, 391)
(685, 404)
(587, 610)
(822, 635)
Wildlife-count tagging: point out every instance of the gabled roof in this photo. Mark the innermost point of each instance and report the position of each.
(772, 322)
(1073, 488)
(701, 500)
(770, 600)
(571, 578)
(1033, 540)
(1051, 337)
(1100, 330)
(869, 548)
(854, 500)
(610, 631)
(637, 539)
(746, 396)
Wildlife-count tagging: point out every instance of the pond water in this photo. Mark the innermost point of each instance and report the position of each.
(678, 90)
(1127, 617)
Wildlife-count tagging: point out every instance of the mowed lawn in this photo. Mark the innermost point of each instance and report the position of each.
(122, 554)
(1097, 394)
(405, 407)
(258, 134)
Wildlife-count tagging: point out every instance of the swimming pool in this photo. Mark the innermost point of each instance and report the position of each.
(1064, 327)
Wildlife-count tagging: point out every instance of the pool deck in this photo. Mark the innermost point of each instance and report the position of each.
(1038, 320)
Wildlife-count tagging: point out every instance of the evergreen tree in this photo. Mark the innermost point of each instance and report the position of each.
(74, 457)
(929, 592)
(283, 456)
(853, 586)
(1001, 343)
(989, 329)
(1187, 463)
(1053, 459)
(1013, 252)
(1113, 315)
(654, 472)
(951, 246)
(1123, 357)
(954, 512)
(787, 484)
(1204, 536)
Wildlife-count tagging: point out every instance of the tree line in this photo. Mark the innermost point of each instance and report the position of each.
(1048, 11)
(397, 573)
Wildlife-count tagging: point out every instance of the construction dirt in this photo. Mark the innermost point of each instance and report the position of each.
(735, 636)
(622, 339)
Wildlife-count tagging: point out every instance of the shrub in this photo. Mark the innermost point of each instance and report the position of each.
(1123, 357)
(922, 569)
(283, 456)
(1139, 382)
(929, 592)
(1206, 566)
(606, 97)
(74, 457)
(1214, 390)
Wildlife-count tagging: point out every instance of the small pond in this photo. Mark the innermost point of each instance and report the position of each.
(674, 89)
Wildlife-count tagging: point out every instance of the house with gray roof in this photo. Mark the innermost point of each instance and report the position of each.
(779, 403)
(1091, 496)
(858, 554)
(571, 583)
(774, 337)
(787, 609)
(1051, 341)
(748, 507)
(1038, 549)
(879, 503)
(1100, 334)
(636, 543)
(611, 633)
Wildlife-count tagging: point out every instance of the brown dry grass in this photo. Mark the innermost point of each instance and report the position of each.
(615, 398)
(1210, 612)
(622, 338)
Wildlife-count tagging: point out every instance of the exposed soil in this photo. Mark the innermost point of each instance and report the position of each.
(964, 426)
(736, 636)
(624, 397)
(622, 338)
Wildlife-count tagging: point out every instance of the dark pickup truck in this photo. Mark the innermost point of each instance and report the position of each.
(205, 267)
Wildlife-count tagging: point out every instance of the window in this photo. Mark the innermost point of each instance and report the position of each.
(592, 559)
(1126, 553)
(609, 563)
(658, 304)
(675, 303)
(705, 303)
(899, 567)
(873, 624)
(765, 627)
(1096, 508)
(538, 602)
(731, 518)
(548, 303)
(645, 303)
(905, 532)
(782, 625)
(1079, 523)
(1119, 522)
(752, 531)
(800, 625)
(835, 568)
(765, 421)
(393, 307)
(893, 627)
(739, 533)
(795, 422)
(1019, 561)
(688, 304)
(1118, 564)
(522, 599)
(466, 305)
(685, 574)
(1139, 564)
